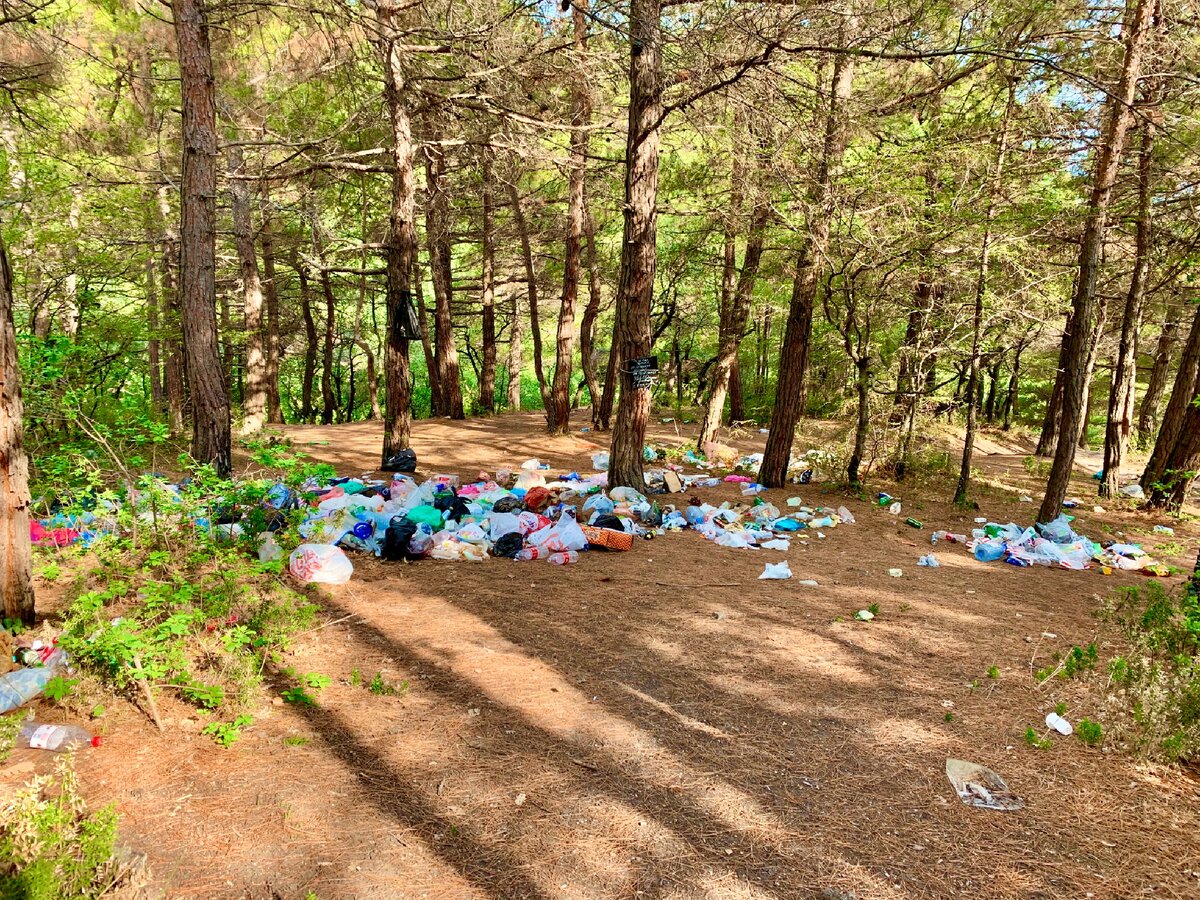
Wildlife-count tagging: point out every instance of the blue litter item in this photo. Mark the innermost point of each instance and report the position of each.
(787, 525)
(989, 551)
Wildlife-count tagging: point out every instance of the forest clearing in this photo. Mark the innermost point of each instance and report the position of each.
(599, 448)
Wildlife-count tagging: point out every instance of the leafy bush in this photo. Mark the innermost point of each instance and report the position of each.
(51, 846)
(1158, 680)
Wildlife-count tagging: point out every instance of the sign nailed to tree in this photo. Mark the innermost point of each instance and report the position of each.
(643, 371)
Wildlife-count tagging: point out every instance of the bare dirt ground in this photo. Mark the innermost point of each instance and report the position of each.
(661, 723)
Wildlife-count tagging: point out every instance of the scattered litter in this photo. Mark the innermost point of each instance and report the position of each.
(1025, 498)
(1163, 529)
(520, 801)
(776, 571)
(980, 787)
(864, 615)
(896, 573)
(1134, 490)
(914, 523)
(929, 561)
(1059, 724)
(808, 582)
(777, 544)
(894, 509)
(320, 564)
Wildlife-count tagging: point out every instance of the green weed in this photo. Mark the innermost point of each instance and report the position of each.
(1036, 742)
(227, 733)
(993, 672)
(1091, 733)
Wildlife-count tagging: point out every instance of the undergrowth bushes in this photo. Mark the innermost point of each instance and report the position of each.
(1157, 681)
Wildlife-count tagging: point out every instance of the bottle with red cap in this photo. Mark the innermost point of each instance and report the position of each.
(55, 738)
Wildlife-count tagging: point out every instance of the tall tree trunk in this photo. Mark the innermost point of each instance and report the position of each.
(735, 324)
(608, 394)
(487, 375)
(1167, 338)
(1119, 426)
(1118, 114)
(793, 356)
(1180, 468)
(591, 313)
(515, 363)
(271, 294)
(401, 241)
(1048, 438)
(437, 230)
(71, 312)
(173, 365)
(16, 563)
(559, 418)
(737, 399)
(357, 340)
(436, 395)
(1014, 388)
(638, 254)
(311, 341)
(153, 302)
(862, 383)
(993, 390)
(1085, 417)
(211, 438)
(1182, 390)
(327, 348)
(981, 289)
(254, 407)
(535, 322)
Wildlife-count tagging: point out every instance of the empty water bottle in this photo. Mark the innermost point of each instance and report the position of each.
(55, 738)
(531, 552)
(564, 558)
(21, 686)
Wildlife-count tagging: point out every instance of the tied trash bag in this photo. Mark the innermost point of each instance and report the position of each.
(1058, 531)
(396, 538)
(509, 545)
(320, 564)
(472, 534)
(404, 461)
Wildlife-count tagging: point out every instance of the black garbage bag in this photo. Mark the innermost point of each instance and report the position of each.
(404, 461)
(509, 545)
(608, 520)
(458, 509)
(508, 504)
(396, 538)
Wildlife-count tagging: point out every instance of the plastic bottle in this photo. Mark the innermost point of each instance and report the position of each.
(21, 686)
(530, 552)
(55, 738)
(565, 558)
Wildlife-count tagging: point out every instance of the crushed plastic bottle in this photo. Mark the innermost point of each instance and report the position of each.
(55, 738)
(19, 687)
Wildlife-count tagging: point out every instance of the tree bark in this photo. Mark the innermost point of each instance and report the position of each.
(1048, 437)
(1167, 338)
(311, 341)
(327, 348)
(16, 563)
(254, 406)
(638, 255)
(1186, 379)
(738, 312)
(401, 241)
(587, 327)
(153, 302)
(810, 261)
(271, 294)
(211, 437)
(535, 323)
(515, 363)
(1118, 115)
(609, 393)
(487, 376)
(1014, 388)
(862, 384)
(437, 231)
(1180, 468)
(173, 366)
(981, 289)
(559, 418)
(1121, 400)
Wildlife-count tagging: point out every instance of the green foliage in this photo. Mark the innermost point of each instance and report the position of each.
(1060, 708)
(1074, 663)
(1157, 681)
(58, 688)
(298, 696)
(227, 733)
(10, 725)
(1089, 732)
(51, 847)
(1036, 741)
(993, 672)
(383, 688)
(295, 741)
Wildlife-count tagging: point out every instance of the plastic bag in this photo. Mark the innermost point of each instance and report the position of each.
(776, 544)
(472, 534)
(776, 571)
(566, 535)
(396, 537)
(404, 461)
(320, 564)
(845, 515)
(600, 461)
(600, 503)
(500, 524)
(1059, 531)
(268, 550)
(734, 540)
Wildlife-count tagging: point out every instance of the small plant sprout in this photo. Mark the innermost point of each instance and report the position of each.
(993, 672)
(1091, 733)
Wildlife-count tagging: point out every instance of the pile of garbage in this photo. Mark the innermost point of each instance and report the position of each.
(1052, 543)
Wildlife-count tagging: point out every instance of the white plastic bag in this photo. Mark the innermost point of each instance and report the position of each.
(501, 524)
(472, 533)
(600, 461)
(320, 564)
(268, 550)
(845, 515)
(776, 571)
(776, 544)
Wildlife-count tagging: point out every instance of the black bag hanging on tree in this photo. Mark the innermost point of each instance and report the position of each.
(406, 324)
(404, 461)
